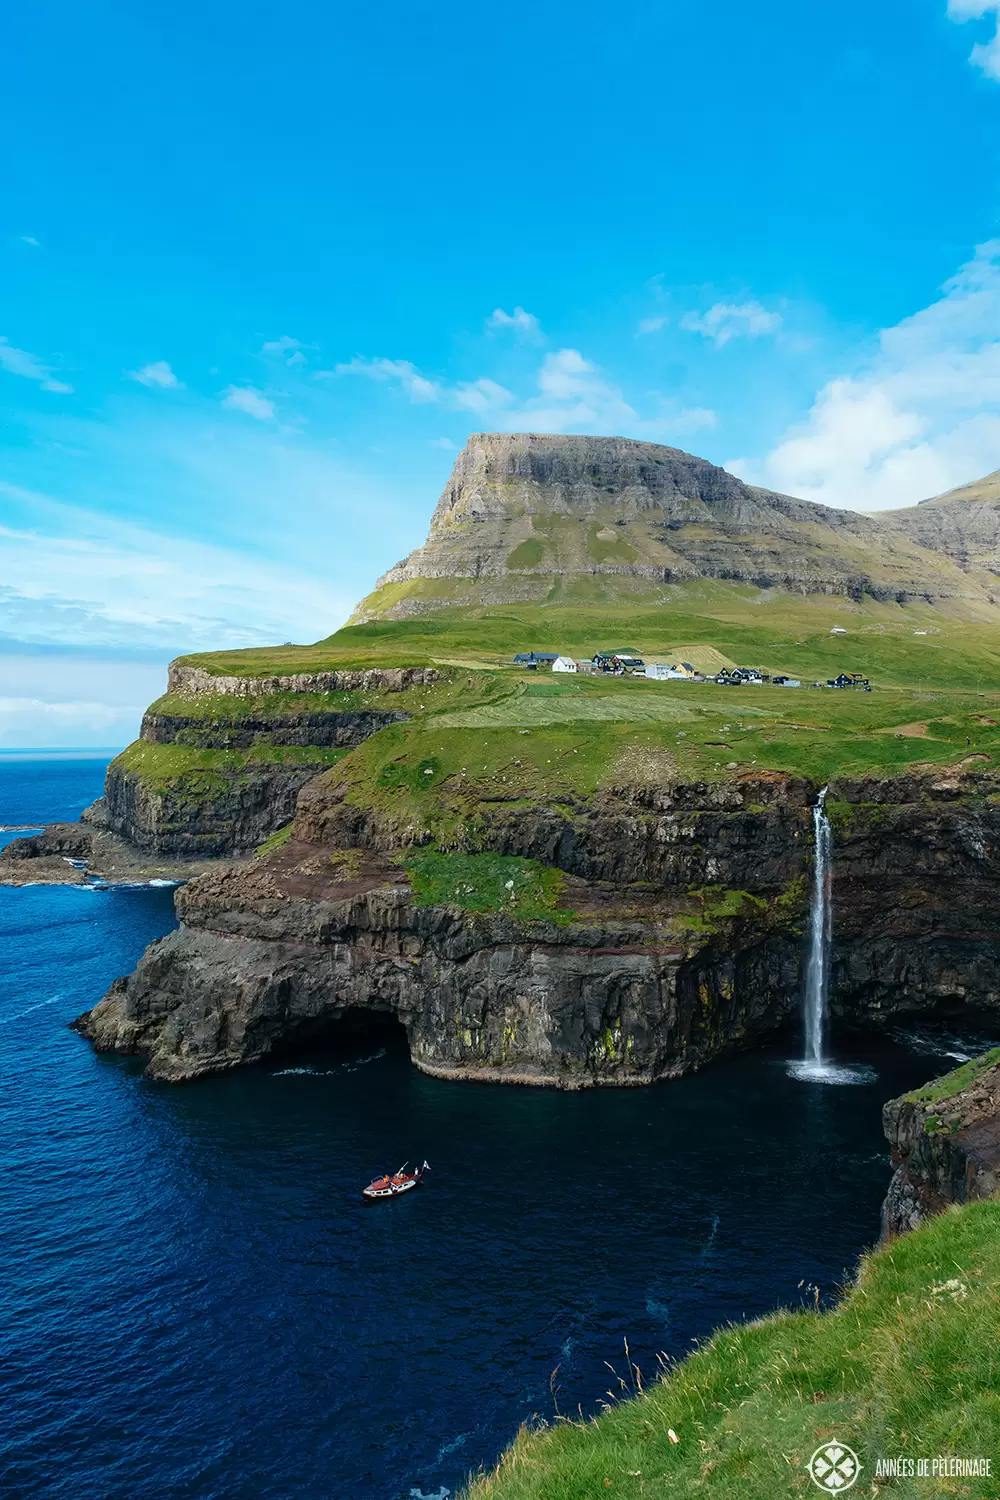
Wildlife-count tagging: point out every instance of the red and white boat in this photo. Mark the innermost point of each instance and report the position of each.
(400, 1182)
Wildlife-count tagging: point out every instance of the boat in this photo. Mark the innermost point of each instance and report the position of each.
(399, 1182)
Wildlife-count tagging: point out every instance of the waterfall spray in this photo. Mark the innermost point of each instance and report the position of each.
(820, 929)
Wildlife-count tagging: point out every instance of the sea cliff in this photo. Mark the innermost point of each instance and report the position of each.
(672, 931)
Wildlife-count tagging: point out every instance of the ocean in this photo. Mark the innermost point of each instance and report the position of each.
(196, 1302)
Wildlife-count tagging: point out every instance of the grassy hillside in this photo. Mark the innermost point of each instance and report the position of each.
(487, 724)
(957, 647)
(907, 1364)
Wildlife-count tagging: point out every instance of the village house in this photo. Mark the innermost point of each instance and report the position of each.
(534, 659)
(564, 664)
(660, 672)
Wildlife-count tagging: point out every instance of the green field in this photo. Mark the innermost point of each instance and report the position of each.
(907, 1364)
(487, 724)
(959, 649)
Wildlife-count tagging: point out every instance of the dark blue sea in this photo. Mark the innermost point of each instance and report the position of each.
(195, 1301)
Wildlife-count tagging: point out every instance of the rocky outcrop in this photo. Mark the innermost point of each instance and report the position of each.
(190, 681)
(86, 853)
(963, 524)
(915, 892)
(524, 512)
(328, 728)
(750, 834)
(289, 951)
(62, 840)
(945, 1141)
(222, 813)
(687, 905)
(212, 807)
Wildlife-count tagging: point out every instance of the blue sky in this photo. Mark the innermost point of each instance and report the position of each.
(265, 266)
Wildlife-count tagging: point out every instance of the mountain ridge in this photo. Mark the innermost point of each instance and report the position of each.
(534, 516)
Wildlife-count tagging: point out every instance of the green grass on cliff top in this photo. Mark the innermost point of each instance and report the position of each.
(936, 698)
(954, 1082)
(907, 1364)
(780, 632)
(534, 740)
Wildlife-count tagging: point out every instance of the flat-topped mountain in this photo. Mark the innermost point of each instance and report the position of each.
(532, 516)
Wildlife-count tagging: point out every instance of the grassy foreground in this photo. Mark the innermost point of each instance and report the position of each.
(908, 1364)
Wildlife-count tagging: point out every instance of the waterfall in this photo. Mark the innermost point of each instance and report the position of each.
(820, 928)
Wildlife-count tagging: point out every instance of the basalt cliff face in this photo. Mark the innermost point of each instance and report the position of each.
(945, 1141)
(681, 937)
(528, 515)
(241, 750)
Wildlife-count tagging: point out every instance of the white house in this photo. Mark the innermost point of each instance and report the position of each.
(662, 673)
(564, 664)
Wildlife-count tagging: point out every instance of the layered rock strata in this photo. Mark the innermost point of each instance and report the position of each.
(945, 1141)
(524, 513)
(685, 935)
(288, 951)
(203, 808)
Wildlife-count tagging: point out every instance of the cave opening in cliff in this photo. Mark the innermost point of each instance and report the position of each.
(343, 1035)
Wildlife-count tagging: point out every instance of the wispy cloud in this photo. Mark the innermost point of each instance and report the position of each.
(652, 325)
(251, 402)
(442, 442)
(985, 55)
(20, 362)
(158, 374)
(396, 371)
(29, 239)
(480, 396)
(920, 415)
(574, 395)
(732, 320)
(286, 348)
(524, 324)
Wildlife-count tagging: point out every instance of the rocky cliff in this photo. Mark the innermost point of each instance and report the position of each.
(221, 759)
(963, 524)
(524, 514)
(945, 1141)
(678, 934)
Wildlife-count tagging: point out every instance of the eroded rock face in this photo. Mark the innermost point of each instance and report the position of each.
(689, 907)
(268, 953)
(945, 1142)
(523, 510)
(225, 815)
(916, 888)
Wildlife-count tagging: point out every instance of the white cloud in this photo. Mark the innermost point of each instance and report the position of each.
(157, 374)
(985, 55)
(524, 324)
(480, 396)
(401, 371)
(20, 362)
(918, 417)
(286, 348)
(652, 325)
(732, 320)
(246, 399)
(575, 396)
(442, 442)
(29, 239)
